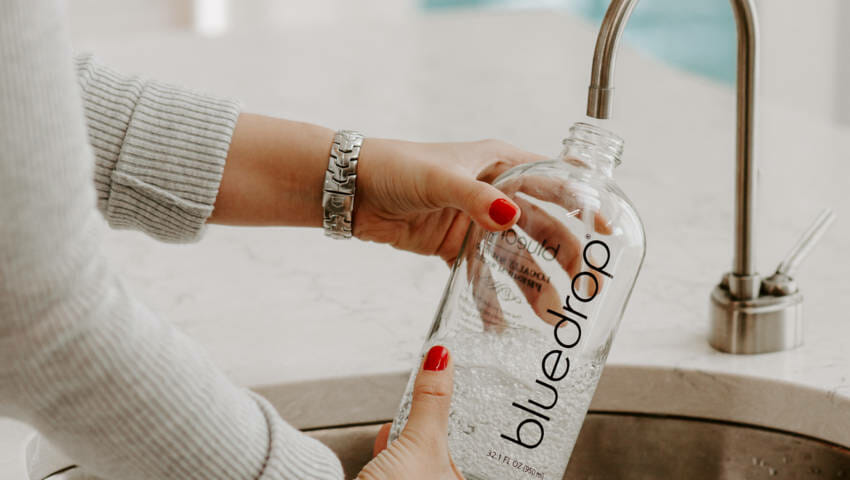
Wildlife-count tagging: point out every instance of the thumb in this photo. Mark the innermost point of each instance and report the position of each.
(485, 204)
(432, 394)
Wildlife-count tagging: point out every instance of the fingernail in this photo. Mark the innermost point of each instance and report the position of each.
(437, 358)
(502, 212)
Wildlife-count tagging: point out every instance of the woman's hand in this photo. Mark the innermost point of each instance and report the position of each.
(421, 452)
(414, 196)
(420, 197)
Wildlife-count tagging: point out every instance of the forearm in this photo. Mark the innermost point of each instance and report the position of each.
(273, 173)
(169, 160)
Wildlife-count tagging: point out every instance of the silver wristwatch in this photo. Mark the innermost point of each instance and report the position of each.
(340, 178)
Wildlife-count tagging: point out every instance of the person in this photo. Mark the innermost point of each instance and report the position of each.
(118, 389)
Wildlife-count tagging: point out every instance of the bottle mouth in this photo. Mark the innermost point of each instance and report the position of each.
(603, 142)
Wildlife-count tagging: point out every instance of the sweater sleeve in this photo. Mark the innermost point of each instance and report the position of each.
(159, 150)
(115, 387)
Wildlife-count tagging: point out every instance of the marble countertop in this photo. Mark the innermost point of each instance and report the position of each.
(279, 306)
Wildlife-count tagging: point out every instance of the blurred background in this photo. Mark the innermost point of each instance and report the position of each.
(806, 44)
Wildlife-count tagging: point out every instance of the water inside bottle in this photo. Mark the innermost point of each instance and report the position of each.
(474, 429)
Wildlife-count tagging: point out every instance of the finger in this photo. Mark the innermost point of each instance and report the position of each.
(486, 294)
(565, 194)
(563, 244)
(382, 439)
(531, 280)
(484, 203)
(432, 392)
(566, 247)
(542, 227)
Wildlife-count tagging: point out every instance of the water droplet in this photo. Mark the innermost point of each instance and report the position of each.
(772, 471)
(755, 461)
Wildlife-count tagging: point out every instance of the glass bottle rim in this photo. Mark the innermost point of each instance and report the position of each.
(595, 138)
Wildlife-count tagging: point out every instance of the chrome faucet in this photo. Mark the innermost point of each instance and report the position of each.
(748, 314)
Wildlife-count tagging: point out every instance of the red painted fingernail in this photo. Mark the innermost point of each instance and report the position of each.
(437, 358)
(502, 212)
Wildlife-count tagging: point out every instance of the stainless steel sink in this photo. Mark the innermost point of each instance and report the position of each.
(622, 446)
(346, 414)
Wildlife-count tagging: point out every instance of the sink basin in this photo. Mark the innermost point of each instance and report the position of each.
(692, 425)
(625, 446)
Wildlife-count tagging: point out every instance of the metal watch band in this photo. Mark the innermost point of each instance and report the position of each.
(339, 186)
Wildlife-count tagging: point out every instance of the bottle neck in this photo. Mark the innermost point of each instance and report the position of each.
(591, 147)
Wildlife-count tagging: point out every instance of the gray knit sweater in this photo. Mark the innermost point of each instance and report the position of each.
(115, 387)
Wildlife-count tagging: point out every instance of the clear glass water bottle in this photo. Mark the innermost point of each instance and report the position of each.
(529, 314)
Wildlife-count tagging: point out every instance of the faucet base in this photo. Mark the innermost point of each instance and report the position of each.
(761, 325)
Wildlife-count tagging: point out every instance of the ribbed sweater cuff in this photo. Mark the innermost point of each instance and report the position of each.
(293, 455)
(160, 151)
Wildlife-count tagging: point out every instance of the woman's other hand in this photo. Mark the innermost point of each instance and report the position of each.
(421, 452)
(420, 197)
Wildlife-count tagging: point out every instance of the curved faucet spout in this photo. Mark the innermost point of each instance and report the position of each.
(744, 282)
(600, 97)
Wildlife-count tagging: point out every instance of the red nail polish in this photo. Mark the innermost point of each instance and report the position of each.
(502, 212)
(437, 358)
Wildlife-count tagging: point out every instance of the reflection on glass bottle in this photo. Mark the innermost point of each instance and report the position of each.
(529, 314)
